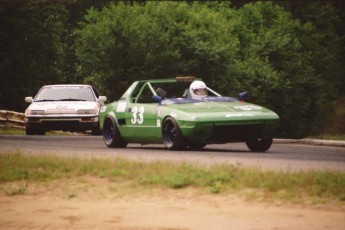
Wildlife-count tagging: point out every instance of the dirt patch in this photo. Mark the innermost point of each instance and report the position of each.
(98, 204)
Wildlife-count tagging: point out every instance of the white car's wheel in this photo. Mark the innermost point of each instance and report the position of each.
(34, 131)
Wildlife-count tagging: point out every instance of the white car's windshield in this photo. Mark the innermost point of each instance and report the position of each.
(65, 93)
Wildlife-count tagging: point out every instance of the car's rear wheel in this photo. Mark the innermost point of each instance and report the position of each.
(111, 134)
(259, 144)
(172, 136)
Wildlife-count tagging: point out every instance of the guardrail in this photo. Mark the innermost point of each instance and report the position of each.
(12, 119)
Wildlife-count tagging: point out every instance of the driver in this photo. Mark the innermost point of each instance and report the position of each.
(198, 90)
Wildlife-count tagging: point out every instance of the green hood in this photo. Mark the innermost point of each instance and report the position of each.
(225, 111)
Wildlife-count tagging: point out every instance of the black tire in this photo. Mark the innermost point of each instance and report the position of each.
(260, 144)
(34, 131)
(172, 136)
(29, 131)
(96, 131)
(111, 134)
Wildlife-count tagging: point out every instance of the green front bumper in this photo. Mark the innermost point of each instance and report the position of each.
(223, 132)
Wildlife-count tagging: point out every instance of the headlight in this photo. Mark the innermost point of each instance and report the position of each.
(35, 112)
(87, 111)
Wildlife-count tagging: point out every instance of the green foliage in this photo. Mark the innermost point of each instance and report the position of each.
(6, 130)
(177, 181)
(259, 48)
(124, 43)
(31, 49)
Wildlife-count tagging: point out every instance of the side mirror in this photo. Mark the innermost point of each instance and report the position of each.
(243, 96)
(102, 99)
(161, 92)
(28, 99)
(157, 99)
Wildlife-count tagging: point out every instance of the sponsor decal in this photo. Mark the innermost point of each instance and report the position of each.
(247, 107)
(138, 115)
(59, 103)
(64, 108)
(69, 87)
(239, 115)
(121, 107)
(158, 123)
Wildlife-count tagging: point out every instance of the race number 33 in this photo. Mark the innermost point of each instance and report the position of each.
(138, 115)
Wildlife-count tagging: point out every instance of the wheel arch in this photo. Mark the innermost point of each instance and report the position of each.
(172, 138)
(110, 115)
(169, 116)
(111, 133)
(177, 114)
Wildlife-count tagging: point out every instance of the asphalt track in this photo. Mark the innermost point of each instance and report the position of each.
(283, 155)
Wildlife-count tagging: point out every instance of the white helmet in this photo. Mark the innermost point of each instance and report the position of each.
(198, 90)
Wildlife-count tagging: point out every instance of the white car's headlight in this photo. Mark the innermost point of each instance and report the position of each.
(35, 112)
(87, 111)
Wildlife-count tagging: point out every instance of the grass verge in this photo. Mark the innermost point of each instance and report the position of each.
(296, 187)
(7, 130)
(335, 137)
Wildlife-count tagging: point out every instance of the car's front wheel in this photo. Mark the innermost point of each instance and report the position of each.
(111, 134)
(172, 136)
(259, 144)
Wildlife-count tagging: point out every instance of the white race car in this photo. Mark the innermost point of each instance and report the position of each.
(64, 107)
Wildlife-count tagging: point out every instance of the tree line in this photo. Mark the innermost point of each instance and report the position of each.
(289, 56)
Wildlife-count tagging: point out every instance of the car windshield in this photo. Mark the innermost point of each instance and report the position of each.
(65, 93)
(172, 93)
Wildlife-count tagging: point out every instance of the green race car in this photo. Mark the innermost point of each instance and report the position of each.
(180, 115)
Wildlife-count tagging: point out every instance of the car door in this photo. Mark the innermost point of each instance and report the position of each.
(141, 118)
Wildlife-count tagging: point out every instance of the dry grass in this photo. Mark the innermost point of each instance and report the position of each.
(297, 187)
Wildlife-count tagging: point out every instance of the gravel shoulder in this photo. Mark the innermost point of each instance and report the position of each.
(70, 205)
